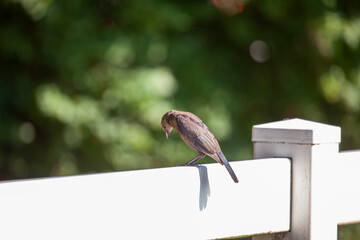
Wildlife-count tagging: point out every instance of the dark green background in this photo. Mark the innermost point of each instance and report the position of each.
(84, 84)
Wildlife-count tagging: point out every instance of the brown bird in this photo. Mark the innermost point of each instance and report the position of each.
(196, 135)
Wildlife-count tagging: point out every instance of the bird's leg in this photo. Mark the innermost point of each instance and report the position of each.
(191, 162)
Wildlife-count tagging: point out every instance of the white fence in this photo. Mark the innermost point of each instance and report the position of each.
(299, 187)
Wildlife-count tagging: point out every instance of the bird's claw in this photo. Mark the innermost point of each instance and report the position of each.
(185, 165)
(182, 165)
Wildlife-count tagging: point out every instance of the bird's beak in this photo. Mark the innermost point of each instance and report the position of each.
(167, 134)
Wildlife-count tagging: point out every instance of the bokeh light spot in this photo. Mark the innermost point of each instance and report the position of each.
(27, 132)
(37, 9)
(230, 7)
(259, 51)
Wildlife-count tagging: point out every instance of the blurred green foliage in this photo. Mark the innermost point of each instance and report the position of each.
(349, 232)
(84, 84)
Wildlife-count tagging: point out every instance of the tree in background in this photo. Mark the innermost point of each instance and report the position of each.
(84, 84)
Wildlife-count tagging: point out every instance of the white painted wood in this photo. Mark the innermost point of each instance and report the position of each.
(296, 131)
(313, 148)
(169, 203)
(348, 187)
(201, 202)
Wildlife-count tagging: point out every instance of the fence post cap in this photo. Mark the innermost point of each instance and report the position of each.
(296, 131)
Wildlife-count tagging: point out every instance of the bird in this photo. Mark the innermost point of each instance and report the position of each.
(196, 135)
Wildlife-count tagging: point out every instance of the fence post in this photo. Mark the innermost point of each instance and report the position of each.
(313, 148)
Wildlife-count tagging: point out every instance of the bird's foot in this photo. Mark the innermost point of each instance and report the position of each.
(185, 164)
(182, 165)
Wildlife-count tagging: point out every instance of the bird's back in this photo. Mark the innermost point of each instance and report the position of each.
(196, 134)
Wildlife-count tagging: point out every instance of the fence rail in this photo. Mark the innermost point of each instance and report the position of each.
(298, 185)
(170, 203)
(348, 187)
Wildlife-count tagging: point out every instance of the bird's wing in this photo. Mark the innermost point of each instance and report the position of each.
(196, 134)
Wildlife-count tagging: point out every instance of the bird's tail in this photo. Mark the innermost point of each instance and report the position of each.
(227, 165)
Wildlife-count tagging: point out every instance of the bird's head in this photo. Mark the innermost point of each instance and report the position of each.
(166, 123)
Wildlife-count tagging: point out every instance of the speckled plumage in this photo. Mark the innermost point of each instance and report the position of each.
(196, 135)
